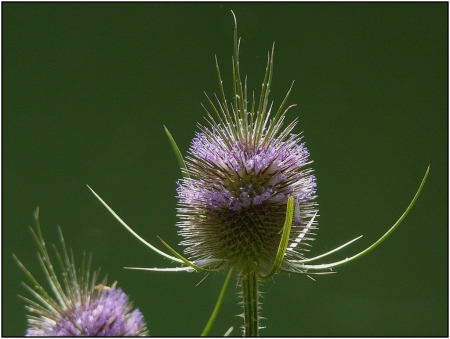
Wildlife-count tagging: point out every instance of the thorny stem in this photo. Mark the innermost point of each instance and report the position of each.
(250, 303)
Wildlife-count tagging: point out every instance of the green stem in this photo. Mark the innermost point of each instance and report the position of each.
(218, 305)
(250, 294)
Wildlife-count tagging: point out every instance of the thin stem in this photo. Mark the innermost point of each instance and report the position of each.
(250, 295)
(218, 305)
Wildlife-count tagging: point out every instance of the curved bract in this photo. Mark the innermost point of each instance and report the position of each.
(298, 266)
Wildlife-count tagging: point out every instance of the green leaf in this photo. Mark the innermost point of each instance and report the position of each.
(308, 274)
(284, 239)
(162, 269)
(180, 159)
(184, 260)
(131, 230)
(327, 253)
(378, 242)
(218, 305)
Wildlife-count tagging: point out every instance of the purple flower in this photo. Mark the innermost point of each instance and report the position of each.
(240, 171)
(80, 307)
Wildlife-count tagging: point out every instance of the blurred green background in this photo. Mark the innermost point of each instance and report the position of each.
(87, 88)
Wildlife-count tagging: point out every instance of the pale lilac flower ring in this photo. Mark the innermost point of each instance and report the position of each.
(79, 307)
(106, 315)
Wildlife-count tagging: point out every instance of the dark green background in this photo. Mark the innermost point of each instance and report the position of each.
(87, 88)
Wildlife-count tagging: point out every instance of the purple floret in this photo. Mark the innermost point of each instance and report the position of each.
(107, 315)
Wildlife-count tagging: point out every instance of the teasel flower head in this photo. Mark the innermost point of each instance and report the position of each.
(246, 202)
(242, 167)
(247, 197)
(80, 306)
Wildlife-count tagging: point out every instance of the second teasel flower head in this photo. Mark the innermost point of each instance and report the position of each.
(242, 167)
(79, 307)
